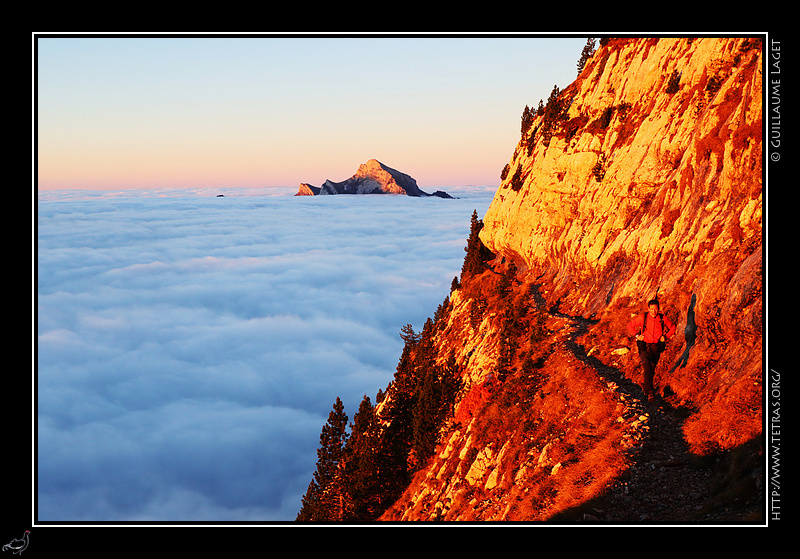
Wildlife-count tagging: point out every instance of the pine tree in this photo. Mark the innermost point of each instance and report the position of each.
(425, 417)
(477, 253)
(511, 324)
(325, 498)
(555, 112)
(586, 53)
(528, 115)
(366, 468)
(441, 312)
(434, 394)
(424, 402)
(310, 503)
(504, 285)
(409, 336)
(396, 415)
(437, 389)
(477, 310)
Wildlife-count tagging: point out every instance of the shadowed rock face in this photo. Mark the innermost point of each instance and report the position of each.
(372, 177)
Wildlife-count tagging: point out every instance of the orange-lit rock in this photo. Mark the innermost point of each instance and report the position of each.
(646, 179)
(647, 188)
(643, 186)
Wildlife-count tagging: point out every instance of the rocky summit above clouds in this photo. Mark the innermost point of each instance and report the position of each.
(372, 177)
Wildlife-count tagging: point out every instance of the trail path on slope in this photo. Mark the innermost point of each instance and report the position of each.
(665, 484)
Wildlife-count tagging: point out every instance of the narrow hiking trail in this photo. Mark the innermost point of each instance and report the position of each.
(665, 484)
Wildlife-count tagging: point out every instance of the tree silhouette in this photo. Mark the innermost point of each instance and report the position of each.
(554, 113)
(528, 115)
(586, 53)
(477, 253)
(325, 498)
(366, 469)
(436, 393)
(396, 416)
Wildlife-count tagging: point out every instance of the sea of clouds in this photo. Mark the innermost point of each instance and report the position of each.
(189, 347)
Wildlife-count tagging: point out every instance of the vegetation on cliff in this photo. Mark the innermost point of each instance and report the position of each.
(360, 474)
(651, 180)
(520, 399)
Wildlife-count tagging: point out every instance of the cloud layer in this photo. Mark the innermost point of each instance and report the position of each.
(189, 347)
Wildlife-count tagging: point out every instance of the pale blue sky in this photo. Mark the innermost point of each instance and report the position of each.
(277, 111)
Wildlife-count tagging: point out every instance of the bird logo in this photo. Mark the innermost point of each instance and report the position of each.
(17, 546)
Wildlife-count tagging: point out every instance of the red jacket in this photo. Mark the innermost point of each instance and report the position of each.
(653, 331)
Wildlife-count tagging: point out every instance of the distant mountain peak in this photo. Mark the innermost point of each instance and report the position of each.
(372, 177)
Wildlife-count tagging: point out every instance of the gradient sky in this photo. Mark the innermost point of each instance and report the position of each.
(144, 112)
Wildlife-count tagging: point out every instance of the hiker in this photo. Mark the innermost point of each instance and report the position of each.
(652, 330)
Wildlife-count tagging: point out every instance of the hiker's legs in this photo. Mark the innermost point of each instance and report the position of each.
(649, 357)
(649, 373)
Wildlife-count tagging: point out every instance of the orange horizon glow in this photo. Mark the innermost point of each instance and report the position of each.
(117, 113)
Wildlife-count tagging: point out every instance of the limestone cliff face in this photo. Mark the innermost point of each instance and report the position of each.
(642, 186)
(643, 176)
(650, 180)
